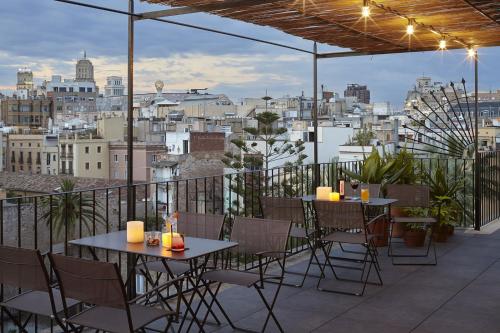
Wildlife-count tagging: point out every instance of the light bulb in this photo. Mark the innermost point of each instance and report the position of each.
(365, 11)
(471, 53)
(410, 29)
(442, 44)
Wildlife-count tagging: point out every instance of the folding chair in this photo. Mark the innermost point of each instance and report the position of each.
(264, 238)
(100, 286)
(412, 196)
(25, 269)
(292, 209)
(344, 222)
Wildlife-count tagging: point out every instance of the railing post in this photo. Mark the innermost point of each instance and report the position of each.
(477, 169)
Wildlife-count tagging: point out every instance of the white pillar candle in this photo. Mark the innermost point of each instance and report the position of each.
(135, 232)
(323, 193)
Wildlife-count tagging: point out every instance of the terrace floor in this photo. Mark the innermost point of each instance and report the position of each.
(460, 294)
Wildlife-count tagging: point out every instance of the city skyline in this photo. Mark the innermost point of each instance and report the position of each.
(184, 58)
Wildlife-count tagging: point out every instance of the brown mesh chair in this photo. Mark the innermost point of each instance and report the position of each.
(25, 269)
(412, 196)
(267, 239)
(344, 222)
(292, 209)
(100, 285)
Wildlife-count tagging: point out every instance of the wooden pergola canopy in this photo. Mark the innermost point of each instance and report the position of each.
(462, 23)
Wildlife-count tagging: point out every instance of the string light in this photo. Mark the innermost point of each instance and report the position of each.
(442, 44)
(365, 10)
(471, 52)
(410, 29)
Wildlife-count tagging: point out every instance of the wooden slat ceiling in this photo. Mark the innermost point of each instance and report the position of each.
(339, 23)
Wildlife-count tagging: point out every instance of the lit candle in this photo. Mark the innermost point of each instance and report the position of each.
(334, 196)
(135, 232)
(323, 193)
(172, 241)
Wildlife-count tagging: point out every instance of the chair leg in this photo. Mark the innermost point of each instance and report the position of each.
(18, 323)
(368, 260)
(270, 307)
(429, 245)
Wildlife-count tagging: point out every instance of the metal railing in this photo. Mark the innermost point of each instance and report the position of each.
(488, 188)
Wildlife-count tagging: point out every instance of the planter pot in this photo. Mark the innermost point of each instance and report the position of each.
(381, 230)
(415, 237)
(398, 229)
(440, 233)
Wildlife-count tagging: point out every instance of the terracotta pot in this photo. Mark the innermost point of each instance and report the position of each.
(415, 237)
(381, 230)
(440, 233)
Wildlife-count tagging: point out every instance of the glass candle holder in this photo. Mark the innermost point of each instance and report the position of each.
(153, 238)
(365, 193)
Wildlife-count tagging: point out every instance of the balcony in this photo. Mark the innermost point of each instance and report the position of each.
(463, 284)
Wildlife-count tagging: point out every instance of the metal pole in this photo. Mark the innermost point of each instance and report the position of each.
(316, 181)
(477, 178)
(130, 113)
(130, 144)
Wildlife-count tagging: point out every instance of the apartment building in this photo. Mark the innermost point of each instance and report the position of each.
(144, 154)
(84, 156)
(24, 153)
(29, 112)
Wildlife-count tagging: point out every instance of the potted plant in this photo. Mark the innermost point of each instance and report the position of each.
(446, 208)
(414, 235)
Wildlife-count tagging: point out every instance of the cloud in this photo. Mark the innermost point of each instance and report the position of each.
(49, 36)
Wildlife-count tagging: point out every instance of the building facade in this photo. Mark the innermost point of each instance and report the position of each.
(114, 86)
(144, 154)
(31, 112)
(360, 92)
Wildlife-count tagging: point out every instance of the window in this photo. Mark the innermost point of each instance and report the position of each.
(154, 158)
(29, 144)
(98, 149)
(13, 168)
(63, 167)
(70, 167)
(185, 147)
(87, 149)
(13, 144)
(126, 158)
(82, 89)
(48, 161)
(99, 165)
(115, 157)
(89, 89)
(70, 89)
(87, 166)
(54, 157)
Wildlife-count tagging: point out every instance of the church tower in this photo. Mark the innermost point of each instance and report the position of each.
(84, 70)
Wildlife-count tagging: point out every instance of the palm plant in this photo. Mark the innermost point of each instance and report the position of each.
(444, 191)
(377, 169)
(67, 208)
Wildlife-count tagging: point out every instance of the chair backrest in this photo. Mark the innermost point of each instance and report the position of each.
(409, 195)
(89, 281)
(287, 209)
(374, 190)
(260, 235)
(339, 215)
(207, 226)
(23, 268)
